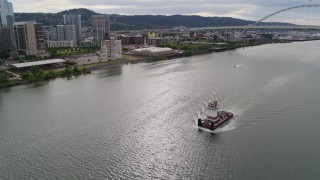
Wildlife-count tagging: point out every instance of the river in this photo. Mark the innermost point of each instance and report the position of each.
(138, 121)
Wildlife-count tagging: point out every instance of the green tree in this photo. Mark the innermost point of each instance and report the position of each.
(4, 54)
(28, 77)
(36, 71)
(188, 53)
(4, 78)
(49, 75)
(76, 70)
(67, 71)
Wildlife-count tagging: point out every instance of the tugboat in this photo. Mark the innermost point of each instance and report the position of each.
(214, 117)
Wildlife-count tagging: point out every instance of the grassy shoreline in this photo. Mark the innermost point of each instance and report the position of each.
(45, 75)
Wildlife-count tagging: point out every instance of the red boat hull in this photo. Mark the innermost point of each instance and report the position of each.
(214, 123)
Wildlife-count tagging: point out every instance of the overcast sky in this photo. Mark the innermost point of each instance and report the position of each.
(245, 9)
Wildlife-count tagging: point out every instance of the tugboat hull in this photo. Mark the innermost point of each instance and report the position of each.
(210, 124)
(214, 118)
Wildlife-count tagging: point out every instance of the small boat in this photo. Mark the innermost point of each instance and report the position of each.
(214, 117)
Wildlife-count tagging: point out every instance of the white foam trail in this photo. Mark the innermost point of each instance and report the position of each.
(203, 129)
(231, 125)
(239, 65)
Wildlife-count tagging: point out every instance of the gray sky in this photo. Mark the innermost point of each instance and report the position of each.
(244, 9)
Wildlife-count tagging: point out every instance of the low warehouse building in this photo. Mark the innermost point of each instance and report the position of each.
(84, 59)
(52, 63)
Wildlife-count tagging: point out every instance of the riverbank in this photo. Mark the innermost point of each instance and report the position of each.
(37, 74)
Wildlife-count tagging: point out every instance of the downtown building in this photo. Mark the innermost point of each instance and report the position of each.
(100, 28)
(159, 40)
(61, 33)
(132, 40)
(6, 23)
(112, 49)
(29, 38)
(60, 44)
(75, 20)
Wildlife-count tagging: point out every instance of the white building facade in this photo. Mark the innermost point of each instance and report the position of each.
(84, 59)
(112, 48)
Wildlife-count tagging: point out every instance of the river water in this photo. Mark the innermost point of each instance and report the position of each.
(138, 121)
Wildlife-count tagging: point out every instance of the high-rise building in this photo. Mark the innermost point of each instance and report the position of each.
(6, 22)
(6, 13)
(74, 19)
(29, 38)
(100, 27)
(6, 42)
(70, 33)
(40, 39)
(62, 33)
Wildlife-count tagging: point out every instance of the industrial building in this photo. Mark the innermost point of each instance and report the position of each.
(85, 59)
(52, 63)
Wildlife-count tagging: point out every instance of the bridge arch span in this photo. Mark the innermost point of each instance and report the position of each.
(284, 10)
(278, 12)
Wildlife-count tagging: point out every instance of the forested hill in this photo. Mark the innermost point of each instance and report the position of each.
(55, 18)
(120, 22)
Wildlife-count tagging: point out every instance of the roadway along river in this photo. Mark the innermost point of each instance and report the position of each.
(138, 122)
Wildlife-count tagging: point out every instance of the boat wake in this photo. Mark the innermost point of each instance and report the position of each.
(229, 126)
(237, 65)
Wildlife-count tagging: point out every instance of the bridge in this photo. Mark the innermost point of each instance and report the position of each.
(267, 24)
(297, 27)
(234, 33)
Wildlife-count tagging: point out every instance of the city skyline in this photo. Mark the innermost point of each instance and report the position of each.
(243, 9)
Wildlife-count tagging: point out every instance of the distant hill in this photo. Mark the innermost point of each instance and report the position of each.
(180, 20)
(55, 18)
(120, 22)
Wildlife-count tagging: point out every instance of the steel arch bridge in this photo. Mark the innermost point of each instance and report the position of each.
(242, 30)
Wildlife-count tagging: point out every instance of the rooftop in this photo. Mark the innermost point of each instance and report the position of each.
(153, 49)
(81, 55)
(38, 63)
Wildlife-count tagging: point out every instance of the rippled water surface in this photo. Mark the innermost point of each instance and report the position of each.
(138, 122)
